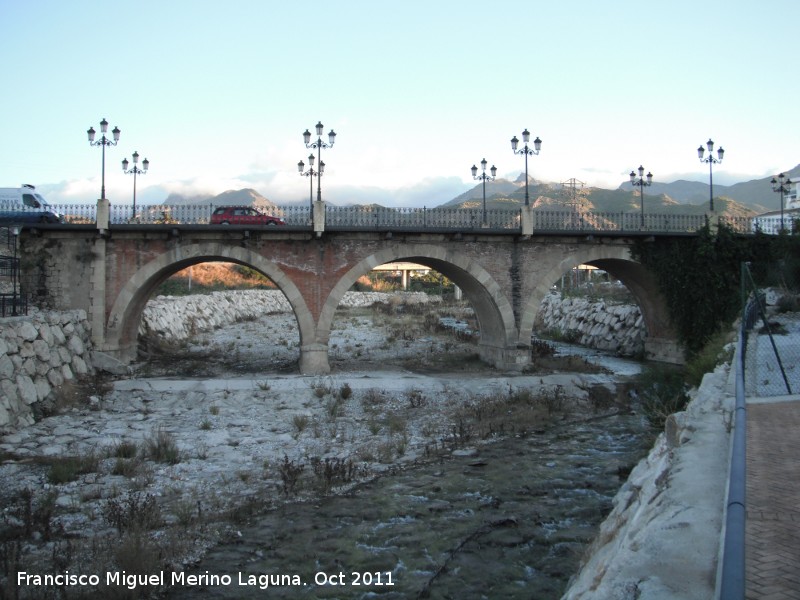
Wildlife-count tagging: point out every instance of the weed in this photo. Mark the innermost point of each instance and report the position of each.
(213, 409)
(161, 447)
(345, 391)
(127, 467)
(331, 472)
(124, 449)
(139, 512)
(300, 422)
(290, 474)
(416, 399)
(67, 469)
(205, 425)
(334, 408)
(187, 511)
(264, 386)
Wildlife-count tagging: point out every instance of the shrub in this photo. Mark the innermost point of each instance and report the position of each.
(662, 392)
(290, 474)
(139, 512)
(705, 361)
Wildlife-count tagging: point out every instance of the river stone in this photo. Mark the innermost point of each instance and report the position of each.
(6, 367)
(27, 331)
(27, 391)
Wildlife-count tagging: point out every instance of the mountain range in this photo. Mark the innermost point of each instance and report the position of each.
(741, 199)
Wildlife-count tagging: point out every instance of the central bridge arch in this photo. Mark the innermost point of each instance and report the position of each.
(492, 308)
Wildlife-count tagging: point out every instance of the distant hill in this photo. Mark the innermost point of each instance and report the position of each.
(756, 193)
(691, 197)
(245, 197)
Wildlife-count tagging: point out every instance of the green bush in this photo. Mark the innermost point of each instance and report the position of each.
(707, 359)
(662, 392)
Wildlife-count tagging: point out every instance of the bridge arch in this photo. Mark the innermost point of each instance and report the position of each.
(492, 308)
(616, 260)
(126, 312)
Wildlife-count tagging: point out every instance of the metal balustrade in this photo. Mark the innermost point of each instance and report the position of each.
(380, 218)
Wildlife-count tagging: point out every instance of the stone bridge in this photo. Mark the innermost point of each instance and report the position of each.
(111, 273)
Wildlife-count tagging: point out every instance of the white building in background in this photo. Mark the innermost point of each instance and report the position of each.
(770, 222)
(791, 198)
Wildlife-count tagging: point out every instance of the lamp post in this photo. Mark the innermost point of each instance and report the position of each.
(319, 145)
(711, 162)
(537, 145)
(311, 173)
(136, 171)
(781, 184)
(641, 182)
(483, 176)
(14, 272)
(103, 142)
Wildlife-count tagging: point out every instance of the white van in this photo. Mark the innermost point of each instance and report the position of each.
(24, 205)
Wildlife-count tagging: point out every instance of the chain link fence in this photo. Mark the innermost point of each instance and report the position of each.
(771, 315)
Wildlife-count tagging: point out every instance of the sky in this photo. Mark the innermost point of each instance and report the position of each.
(216, 95)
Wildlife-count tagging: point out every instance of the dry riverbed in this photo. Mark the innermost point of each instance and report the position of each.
(145, 473)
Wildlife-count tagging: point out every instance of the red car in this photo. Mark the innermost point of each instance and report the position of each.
(243, 215)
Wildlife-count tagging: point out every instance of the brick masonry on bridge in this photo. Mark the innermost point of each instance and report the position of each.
(505, 277)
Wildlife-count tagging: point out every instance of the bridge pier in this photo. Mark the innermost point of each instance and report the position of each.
(664, 350)
(515, 358)
(314, 359)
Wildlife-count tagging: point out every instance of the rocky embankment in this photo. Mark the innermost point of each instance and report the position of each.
(599, 324)
(177, 318)
(39, 354)
(662, 539)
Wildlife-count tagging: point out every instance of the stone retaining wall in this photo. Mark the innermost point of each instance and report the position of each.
(38, 354)
(596, 324)
(177, 318)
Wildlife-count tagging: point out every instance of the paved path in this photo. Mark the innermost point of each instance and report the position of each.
(772, 561)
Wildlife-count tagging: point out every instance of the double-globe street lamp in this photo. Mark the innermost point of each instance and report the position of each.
(319, 145)
(311, 173)
(483, 176)
(103, 142)
(135, 171)
(537, 145)
(781, 184)
(711, 162)
(641, 182)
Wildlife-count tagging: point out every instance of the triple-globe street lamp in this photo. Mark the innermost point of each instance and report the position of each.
(103, 142)
(311, 173)
(641, 182)
(711, 162)
(537, 145)
(319, 145)
(135, 170)
(484, 177)
(781, 184)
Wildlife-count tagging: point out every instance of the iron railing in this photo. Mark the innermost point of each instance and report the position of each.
(398, 219)
(412, 219)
